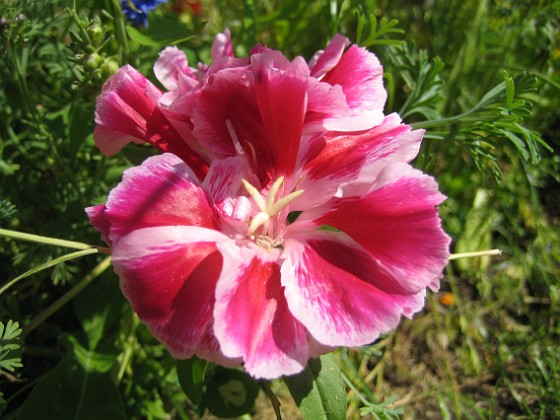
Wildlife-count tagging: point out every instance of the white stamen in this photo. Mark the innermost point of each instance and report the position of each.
(273, 191)
(255, 195)
(268, 208)
(234, 138)
(257, 221)
(283, 202)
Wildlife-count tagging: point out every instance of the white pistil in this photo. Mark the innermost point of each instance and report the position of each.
(268, 208)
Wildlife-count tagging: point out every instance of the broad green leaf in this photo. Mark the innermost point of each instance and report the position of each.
(161, 31)
(80, 126)
(98, 307)
(141, 38)
(230, 393)
(71, 392)
(319, 390)
(191, 377)
(90, 360)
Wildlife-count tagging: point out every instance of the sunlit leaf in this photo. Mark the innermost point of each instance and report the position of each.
(319, 390)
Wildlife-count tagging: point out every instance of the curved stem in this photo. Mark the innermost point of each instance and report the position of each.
(51, 241)
(273, 398)
(39, 319)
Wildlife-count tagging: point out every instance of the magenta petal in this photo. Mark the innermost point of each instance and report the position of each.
(163, 191)
(252, 319)
(338, 307)
(228, 98)
(329, 58)
(364, 90)
(169, 275)
(128, 110)
(222, 46)
(97, 219)
(282, 101)
(336, 158)
(172, 69)
(397, 223)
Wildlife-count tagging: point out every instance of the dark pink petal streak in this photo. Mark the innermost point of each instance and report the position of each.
(163, 191)
(397, 223)
(252, 319)
(169, 276)
(326, 293)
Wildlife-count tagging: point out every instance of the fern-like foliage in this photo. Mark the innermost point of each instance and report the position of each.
(10, 346)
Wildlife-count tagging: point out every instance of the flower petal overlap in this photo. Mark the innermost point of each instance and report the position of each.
(282, 219)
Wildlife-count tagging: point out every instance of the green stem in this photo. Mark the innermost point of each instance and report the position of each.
(475, 254)
(51, 241)
(39, 319)
(48, 264)
(273, 398)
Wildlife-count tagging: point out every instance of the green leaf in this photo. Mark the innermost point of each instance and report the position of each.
(230, 393)
(319, 390)
(10, 343)
(140, 37)
(162, 31)
(90, 360)
(98, 307)
(71, 392)
(80, 126)
(191, 377)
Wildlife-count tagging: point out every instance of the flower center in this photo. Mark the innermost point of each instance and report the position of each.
(270, 208)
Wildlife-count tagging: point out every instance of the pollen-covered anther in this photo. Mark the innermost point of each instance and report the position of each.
(268, 206)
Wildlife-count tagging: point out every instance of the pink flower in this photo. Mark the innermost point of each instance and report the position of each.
(302, 227)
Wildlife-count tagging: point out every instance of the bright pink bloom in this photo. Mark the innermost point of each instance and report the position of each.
(309, 229)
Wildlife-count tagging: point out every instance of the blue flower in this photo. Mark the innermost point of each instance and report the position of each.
(139, 13)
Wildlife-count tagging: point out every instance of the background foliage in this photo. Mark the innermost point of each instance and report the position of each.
(480, 76)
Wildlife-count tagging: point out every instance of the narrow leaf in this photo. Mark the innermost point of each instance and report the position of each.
(191, 377)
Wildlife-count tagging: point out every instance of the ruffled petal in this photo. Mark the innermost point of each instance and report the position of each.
(252, 319)
(398, 224)
(222, 45)
(128, 110)
(163, 191)
(227, 98)
(172, 70)
(169, 276)
(361, 76)
(336, 158)
(328, 59)
(98, 220)
(325, 291)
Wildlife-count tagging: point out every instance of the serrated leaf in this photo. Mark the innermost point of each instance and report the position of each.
(10, 331)
(11, 364)
(319, 390)
(10, 345)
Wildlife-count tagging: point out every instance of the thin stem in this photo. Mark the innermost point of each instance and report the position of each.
(273, 398)
(48, 264)
(127, 356)
(51, 241)
(475, 254)
(39, 319)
